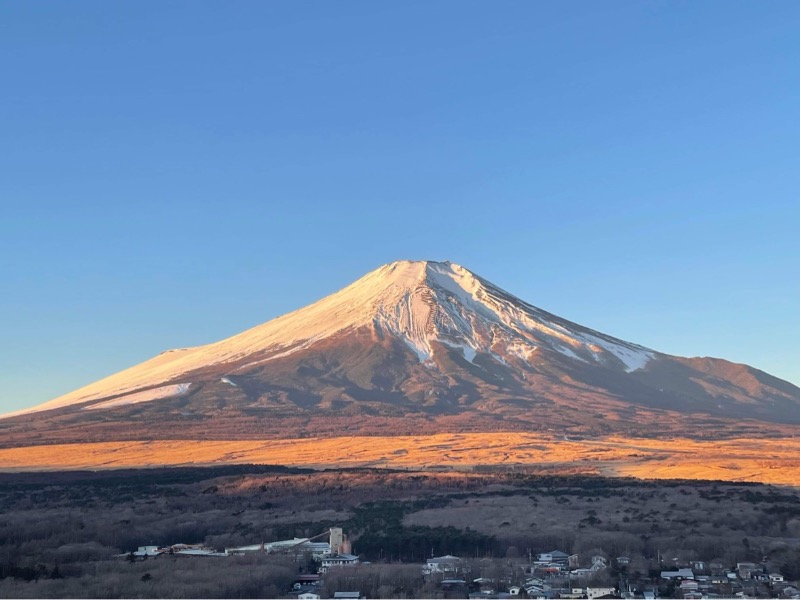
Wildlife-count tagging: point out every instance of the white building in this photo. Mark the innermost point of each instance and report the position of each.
(442, 564)
(679, 574)
(148, 551)
(555, 556)
(340, 560)
(592, 593)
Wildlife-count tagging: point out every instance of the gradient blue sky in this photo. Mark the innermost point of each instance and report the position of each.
(175, 172)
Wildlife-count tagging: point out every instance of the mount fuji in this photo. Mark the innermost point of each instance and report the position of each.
(415, 347)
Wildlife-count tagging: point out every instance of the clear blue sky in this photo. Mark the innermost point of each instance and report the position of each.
(175, 172)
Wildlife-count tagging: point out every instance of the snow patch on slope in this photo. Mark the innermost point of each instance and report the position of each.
(632, 356)
(567, 352)
(159, 393)
(468, 352)
(423, 351)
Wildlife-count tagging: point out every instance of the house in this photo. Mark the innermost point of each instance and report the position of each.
(535, 588)
(598, 592)
(552, 569)
(684, 573)
(537, 592)
(556, 556)
(598, 564)
(775, 578)
(514, 590)
(485, 585)
(305, 585)
(148, 551)
(746, 570)
(579, 573)
(703, 581)
(340, 560)
(790, 592)
(623, 560)
(307, 579)
(442, 564)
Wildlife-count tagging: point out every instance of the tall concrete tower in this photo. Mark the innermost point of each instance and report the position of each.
(337, 540)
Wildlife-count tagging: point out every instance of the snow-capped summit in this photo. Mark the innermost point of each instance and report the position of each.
(424, 301)
(428, 340)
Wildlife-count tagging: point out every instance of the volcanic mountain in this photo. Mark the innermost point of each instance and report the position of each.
(414, 347)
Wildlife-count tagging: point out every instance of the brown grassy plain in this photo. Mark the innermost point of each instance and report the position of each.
(743, 459)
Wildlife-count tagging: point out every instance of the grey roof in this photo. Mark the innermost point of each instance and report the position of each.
(342, 557)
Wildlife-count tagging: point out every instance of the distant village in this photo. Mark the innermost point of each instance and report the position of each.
(548, 575)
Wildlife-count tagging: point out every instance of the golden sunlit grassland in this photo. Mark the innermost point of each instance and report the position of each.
(769, 461)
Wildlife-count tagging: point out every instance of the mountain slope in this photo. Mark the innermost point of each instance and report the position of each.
(416, 345)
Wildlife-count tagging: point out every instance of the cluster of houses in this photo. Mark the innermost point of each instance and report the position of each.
(715, 580)
(451, 574)
(550, 575)
(557, 574)
(542, 573)
(560, 563)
